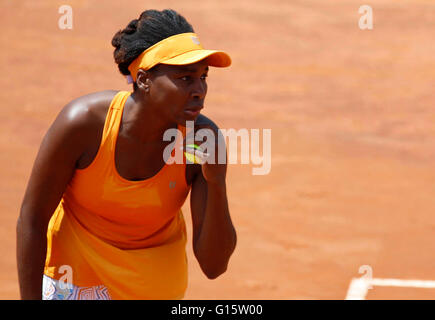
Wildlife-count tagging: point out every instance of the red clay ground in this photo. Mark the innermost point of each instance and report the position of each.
(352, 119)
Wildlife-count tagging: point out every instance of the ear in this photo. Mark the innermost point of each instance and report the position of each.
(143, 80)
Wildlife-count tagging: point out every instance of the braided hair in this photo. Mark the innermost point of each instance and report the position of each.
(151, 27)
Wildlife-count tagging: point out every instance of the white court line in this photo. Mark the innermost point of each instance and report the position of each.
(359, 287)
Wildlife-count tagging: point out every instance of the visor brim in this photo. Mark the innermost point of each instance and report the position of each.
(215, 58)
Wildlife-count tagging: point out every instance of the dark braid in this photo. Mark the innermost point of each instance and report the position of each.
(140, 34)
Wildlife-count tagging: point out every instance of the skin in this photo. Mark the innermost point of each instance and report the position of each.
(72, 142)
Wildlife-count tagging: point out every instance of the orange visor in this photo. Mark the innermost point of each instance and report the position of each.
(180, 49)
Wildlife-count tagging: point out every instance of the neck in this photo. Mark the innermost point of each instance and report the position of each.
(142, 122)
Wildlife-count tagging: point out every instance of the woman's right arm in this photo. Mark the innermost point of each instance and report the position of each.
(61, 148)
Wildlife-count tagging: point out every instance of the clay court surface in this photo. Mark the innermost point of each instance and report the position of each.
(353, 133)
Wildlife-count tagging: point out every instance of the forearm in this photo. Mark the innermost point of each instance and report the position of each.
(217, 238)
(31, 253)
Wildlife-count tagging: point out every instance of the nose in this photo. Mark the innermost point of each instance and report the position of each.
(199, 89)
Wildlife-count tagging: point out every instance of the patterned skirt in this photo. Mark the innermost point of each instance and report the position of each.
(58, 290)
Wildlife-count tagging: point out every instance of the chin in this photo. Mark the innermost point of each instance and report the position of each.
(189, 118)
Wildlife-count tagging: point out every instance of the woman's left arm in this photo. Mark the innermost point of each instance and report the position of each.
(214, 236)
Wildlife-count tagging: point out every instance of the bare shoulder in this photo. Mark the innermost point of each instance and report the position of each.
(79, 126)
(87, 110)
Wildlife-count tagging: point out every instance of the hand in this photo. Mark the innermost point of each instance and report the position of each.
(205, 154)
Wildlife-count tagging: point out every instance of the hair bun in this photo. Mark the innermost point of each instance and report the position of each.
(132, 27)
(116, 40)
(151, 27)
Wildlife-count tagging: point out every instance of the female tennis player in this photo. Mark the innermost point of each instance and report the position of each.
(101, 217)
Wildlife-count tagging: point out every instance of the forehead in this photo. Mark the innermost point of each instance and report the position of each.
(200, 66)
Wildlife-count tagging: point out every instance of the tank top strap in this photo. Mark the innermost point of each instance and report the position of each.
(113, 119)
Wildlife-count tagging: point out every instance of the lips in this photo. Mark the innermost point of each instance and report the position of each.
(193, 111)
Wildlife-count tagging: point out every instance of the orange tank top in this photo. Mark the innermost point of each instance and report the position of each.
(129, 236)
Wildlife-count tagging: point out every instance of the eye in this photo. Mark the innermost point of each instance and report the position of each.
(204, 76)
(185, 78)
